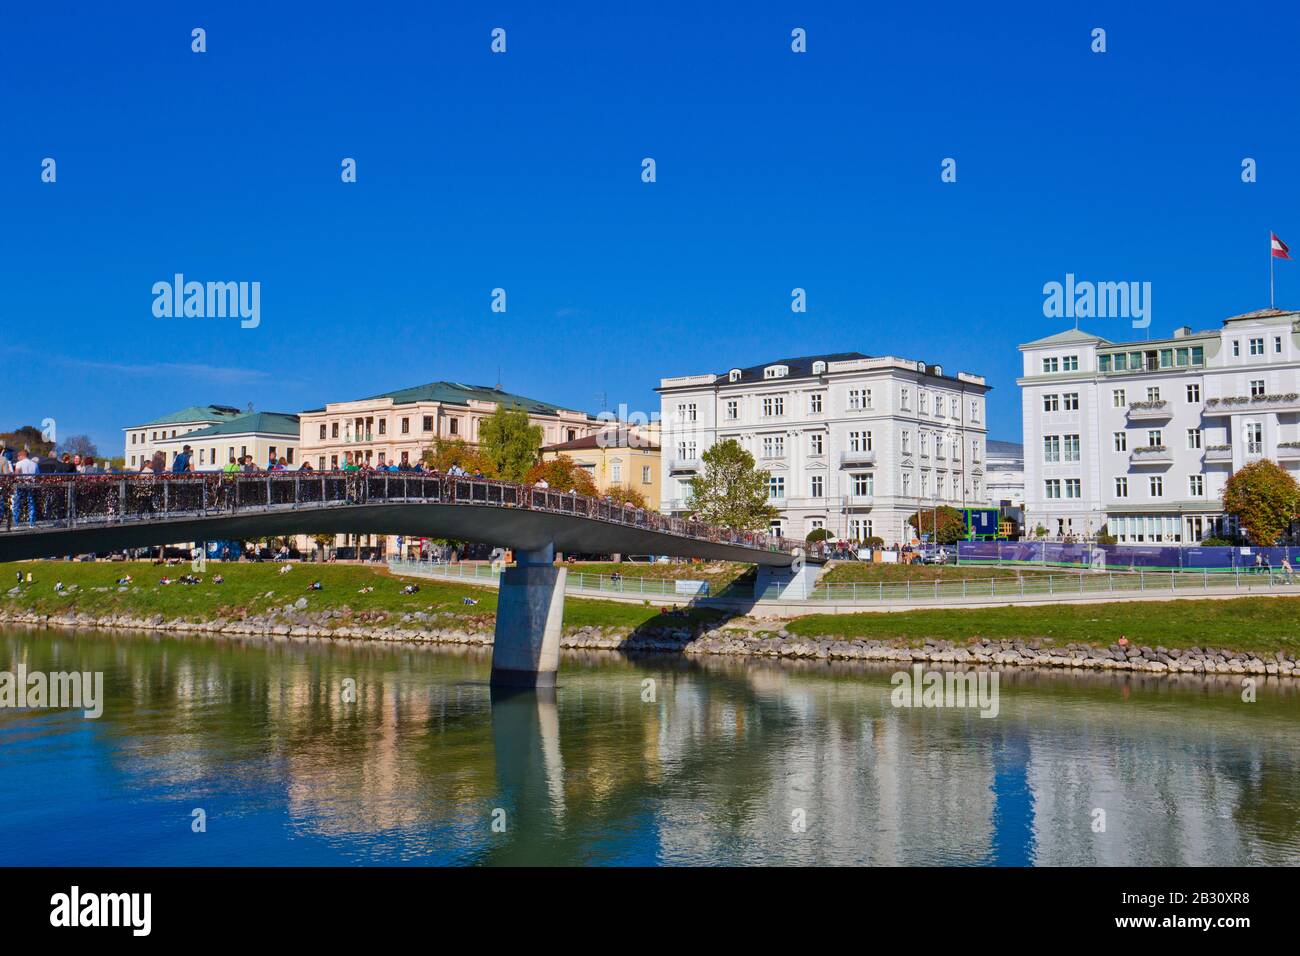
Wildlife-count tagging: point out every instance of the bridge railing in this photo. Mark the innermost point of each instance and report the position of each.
(74, 501)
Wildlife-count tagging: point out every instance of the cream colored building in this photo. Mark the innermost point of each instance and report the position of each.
(141, 441)
(400, 426)
(627, 457)
(264, 435)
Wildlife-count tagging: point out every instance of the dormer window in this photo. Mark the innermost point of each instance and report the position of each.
(819, 367)
(733, 375)
(776, 371)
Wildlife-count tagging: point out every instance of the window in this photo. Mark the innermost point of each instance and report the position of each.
(775, 487)
(905, 397)
(1277, 344)
(686, 450)
(1155, 437)
(1121, 441)
(1073, 488)
(1236, 347)
(733, 409)
(1157, 486)
(956, 408)
(1051, 403)
(1257, 346)
(1121, 487)
(334, 429)
(816, 486)
(1071, 447)
(923, 400)
(1256, 387)
(855, 400)
(383, 424)
(1117, 399)
(1254, 438)
(925, 484)
(1153, 394)
(861, 441)
(773, 446)
(974, 411)
(1193, 393)
(907, 483)
(406, 426)
(616, 470)
(1050, 365)
(864, 485)
(1052, 488)
(775, 371)
(975, 450)
(815, 403)
(924, 442)
(322, 431)
(1103, 363)
(686, 412)
(1070, 363)
(1071, 402)
(907, 442)
(1196, 485)
(453, 426)
(1051, 448)
(645, 475)
(773, 406)
(1193, 438)
(815, 444)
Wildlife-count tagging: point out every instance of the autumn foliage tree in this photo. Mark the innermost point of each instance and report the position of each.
(562, 473)
(951, 526)
(456, 451)
(622, 495)
(1264, 499)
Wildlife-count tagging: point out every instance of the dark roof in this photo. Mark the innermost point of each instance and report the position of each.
(799, 367)
(454, 393)
(196, 413)
(641, 443)
(1005, 449)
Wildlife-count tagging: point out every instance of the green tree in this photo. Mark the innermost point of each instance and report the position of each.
(456, 451)
(510, 442)
(27, 437)
(731, 492)
(951, 526)
(1264, 499)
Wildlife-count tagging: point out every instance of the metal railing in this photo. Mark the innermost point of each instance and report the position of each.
(46, 502)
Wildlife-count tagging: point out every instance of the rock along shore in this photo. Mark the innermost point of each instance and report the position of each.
(732, 640)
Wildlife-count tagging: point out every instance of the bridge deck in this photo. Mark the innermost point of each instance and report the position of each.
(76, 514)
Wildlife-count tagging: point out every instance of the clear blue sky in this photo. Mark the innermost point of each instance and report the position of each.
(522, 170)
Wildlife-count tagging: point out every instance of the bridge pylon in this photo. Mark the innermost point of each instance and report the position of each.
(530, 619)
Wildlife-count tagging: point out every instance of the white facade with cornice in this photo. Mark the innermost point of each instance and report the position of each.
(852, 443)
(1140, 437)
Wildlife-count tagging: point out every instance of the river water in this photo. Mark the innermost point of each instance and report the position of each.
(319, 753)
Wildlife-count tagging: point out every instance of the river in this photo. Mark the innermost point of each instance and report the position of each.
(217, 751)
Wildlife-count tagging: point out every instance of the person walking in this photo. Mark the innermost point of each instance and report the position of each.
(182, 463)
(25, 494)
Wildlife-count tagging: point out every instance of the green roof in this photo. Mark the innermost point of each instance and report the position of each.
(197, 413)
(454, 393)
(254, 423)
(1068, 337)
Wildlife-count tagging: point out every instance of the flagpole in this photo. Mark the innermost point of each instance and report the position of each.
(1271, 257)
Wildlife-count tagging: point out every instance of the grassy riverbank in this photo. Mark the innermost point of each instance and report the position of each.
(251, 589)
(1259, 624)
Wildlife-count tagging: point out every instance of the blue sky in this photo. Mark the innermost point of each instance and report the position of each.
(522, 171)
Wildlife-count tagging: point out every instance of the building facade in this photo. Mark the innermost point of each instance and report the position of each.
(625, 457)
(1140, 437)
(1004, 474)
(264, 435)
(851, 443)
(400, 426)
(142, 441)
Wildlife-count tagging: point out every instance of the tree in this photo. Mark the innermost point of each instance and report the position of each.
(1264, 499)
(731, 492)
(509, 440)
(817, 534)
(562, 473)
(29, 437)
(951, 526)
(623, 495)
(456, 451)
(79, 445)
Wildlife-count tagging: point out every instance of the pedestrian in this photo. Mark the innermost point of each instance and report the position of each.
(182, 463)
(25, 494)
(1286, 569)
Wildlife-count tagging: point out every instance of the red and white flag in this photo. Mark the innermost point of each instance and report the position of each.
(1280, 248)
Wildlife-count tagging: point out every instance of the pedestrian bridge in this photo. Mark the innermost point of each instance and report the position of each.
(56, 515)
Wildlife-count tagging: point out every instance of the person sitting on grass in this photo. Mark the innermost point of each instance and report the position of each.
(218, 579)
(410, 589)
(285, 569)
(315, 586)
(366, 590)
(469, 600)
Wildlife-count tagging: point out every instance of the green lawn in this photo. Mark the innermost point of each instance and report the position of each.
(247, 586)
(1244, 624)
(864, 572)
(719, 574)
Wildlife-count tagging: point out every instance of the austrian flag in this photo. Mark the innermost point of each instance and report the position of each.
(1280, 248)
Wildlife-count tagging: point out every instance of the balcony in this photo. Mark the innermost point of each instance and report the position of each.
(861, 501)
(849, 459)
(1152, 455)
(681, 465)
(1248, 404)
(1218, 453)
(1149, 411)
(1288, 451)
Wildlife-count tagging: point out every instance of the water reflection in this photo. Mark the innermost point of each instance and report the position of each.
(716, 768)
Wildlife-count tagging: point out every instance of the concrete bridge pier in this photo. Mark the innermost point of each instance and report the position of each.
(530, 617)
(787, 584)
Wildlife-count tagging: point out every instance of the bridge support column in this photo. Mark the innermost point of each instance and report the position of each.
(530, 616)
(787, 584)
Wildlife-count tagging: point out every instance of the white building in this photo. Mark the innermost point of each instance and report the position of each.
(852, 443)
(142, 441)
(1004, 474)
(1141, 436)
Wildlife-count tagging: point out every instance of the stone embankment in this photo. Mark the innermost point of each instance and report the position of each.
(738, 638)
